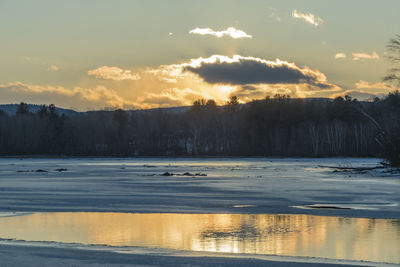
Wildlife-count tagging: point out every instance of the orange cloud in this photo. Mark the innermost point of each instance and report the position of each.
(113, 73)
(367, 91)
(380, 86)
(77, 97)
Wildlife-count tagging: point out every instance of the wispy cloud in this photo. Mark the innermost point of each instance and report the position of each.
(44, 64)
(113, 73)
(53, 68)
(273, 14)
(231, 32)
(358, 56)
(367, 91)
(358, 94)
(340, 56)
(171, 97)
(307, 17)
(379, 85)
(77, 97)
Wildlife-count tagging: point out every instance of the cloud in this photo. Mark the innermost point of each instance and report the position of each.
(219, 77)
(239, 70)
(309, 18)
(367, 91)
(248, 93)
(113, 73)
(53, 68)
(358, 94)
(231, 31)
(273, 14)
(44, 64)
(340, 55)
(358, 56)
(376, 86)
(216, 77)
(78, 97)
(171, 97)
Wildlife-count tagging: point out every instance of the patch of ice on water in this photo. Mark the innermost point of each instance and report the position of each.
(347, 206)
(244, 206)
(13, 214)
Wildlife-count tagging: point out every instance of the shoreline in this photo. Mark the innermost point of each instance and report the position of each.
(65, 254)
(181, 157)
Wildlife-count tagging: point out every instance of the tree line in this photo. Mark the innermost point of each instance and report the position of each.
(274, 126)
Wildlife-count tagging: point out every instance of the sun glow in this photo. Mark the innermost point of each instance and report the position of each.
(226, 89)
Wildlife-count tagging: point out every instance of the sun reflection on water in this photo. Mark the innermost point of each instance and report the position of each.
(295, 235)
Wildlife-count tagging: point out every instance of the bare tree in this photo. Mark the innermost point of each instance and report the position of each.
(393, 55)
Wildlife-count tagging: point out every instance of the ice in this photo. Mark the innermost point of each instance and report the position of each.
(244, 185)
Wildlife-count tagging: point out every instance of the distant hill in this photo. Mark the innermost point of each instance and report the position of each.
(172, 110)
(11, 109)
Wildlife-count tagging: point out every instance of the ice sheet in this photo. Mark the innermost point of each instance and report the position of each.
(245, 185)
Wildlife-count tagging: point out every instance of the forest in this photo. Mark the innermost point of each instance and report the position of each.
(275, 126)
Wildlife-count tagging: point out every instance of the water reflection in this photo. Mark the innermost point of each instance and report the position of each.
(295, 235)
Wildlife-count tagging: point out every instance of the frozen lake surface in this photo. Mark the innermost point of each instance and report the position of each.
(349, 208)
(231, 186)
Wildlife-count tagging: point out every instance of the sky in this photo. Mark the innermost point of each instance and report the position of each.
(97, 54)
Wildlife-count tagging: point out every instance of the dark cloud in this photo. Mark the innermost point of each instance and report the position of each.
(248, 70)
(249, 88)
(254, 92)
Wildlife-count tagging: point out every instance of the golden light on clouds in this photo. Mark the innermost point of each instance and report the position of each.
(380, 85)
(113, 73)
(367, 91)
(90, 98)
(137, 60)
(216, 77)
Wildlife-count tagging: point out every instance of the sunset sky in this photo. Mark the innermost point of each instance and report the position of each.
(157, 53)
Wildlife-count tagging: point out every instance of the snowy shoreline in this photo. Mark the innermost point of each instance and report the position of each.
(62, 254)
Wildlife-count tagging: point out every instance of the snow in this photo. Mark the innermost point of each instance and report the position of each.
(15, 254)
